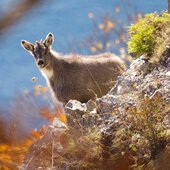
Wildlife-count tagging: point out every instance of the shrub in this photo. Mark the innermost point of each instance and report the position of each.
(143, 134)
(138, 138)
(150, 36)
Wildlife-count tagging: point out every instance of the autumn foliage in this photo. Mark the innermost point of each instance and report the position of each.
(14, 144)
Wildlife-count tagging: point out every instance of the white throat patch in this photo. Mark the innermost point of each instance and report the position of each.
(47, 73)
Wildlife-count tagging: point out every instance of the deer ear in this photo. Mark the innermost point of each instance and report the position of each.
(49, 39)
(27, 45)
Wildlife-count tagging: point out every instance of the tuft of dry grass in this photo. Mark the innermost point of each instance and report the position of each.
(143, 134)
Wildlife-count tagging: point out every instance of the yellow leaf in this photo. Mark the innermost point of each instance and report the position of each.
(93, 49)
(62, 117)
(100, 46)
(44, 89)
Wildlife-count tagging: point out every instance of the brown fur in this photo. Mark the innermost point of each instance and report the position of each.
(81, 77)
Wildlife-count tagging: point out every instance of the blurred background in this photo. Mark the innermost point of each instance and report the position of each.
(84, 27)
(72, 22)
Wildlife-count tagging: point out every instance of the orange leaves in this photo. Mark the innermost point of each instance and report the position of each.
(36, 134)
(58, 113)
(109, 26)
(93, 49)
(12, 152)
(62, 117)
(14, 143)
(43, 89)
(106, 25)
(39, 89)
(11, 156)
(46, 114)
(97, 46)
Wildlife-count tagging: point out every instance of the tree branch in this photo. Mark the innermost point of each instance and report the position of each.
(16, 13)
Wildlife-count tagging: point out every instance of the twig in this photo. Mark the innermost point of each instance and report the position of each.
(15, 13)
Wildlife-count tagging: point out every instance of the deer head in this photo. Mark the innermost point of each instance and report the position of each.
(40, 50)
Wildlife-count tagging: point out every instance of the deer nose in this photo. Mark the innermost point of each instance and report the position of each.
(40, 62)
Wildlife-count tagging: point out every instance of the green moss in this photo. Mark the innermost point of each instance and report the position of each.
(149, 36)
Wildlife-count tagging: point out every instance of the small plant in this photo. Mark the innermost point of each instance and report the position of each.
(150, 36)
(81, 151)
(139, 138)
(143, 133)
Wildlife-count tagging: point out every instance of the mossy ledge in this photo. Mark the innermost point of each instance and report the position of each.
(150, 37)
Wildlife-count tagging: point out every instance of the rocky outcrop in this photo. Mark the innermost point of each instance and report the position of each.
(114, 117)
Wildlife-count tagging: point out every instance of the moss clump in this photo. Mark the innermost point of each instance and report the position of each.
(150, 36)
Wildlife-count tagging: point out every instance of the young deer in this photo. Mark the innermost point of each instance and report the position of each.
(73, 76)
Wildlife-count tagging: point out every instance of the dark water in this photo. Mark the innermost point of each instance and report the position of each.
(67, 20)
